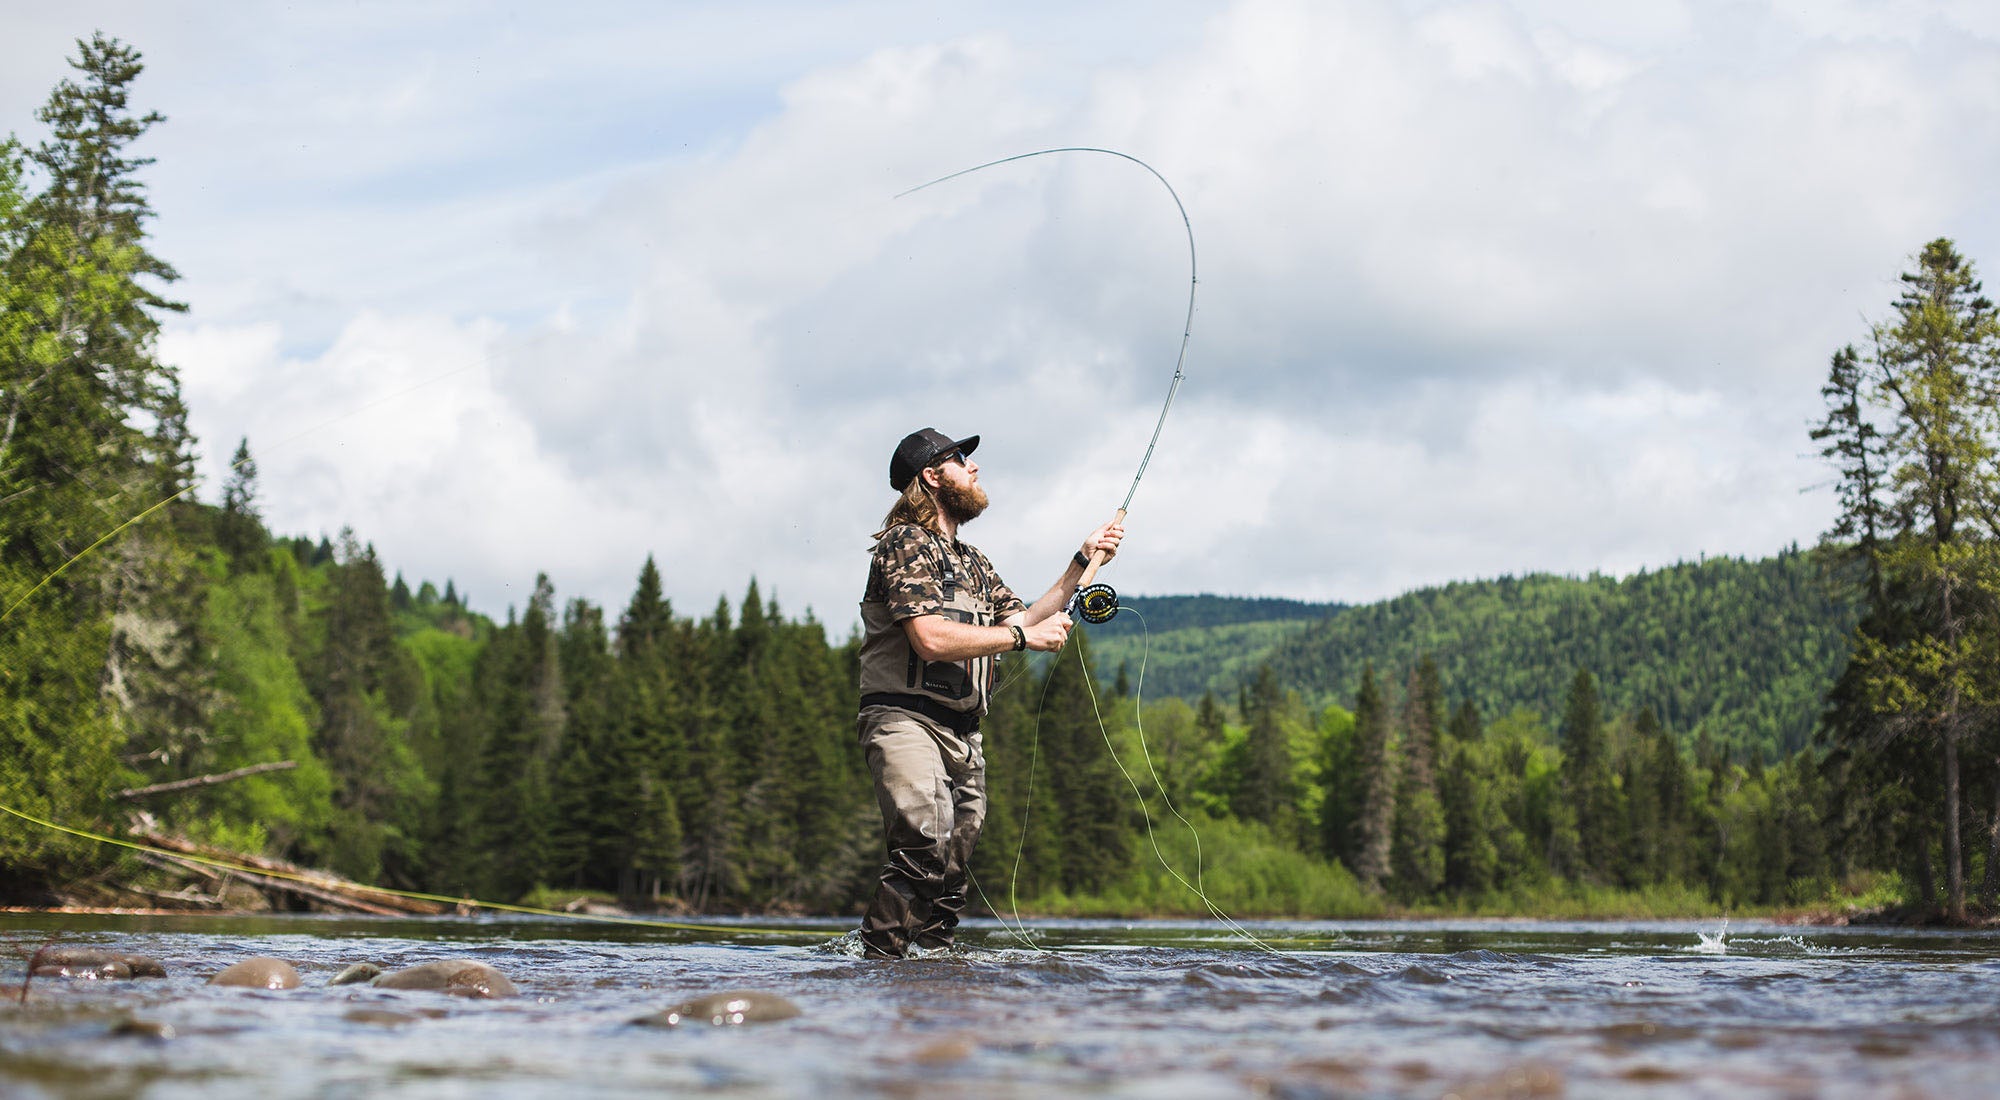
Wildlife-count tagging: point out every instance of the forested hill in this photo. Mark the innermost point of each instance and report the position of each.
(1741, 650)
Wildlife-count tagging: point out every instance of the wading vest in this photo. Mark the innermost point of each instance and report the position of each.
(888, 665)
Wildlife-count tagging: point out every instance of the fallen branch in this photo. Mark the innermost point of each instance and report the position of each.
(207, 780)
(188, 896)
(330, 897)
(291, 878)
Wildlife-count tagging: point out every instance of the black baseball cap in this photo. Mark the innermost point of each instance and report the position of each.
(921, 448)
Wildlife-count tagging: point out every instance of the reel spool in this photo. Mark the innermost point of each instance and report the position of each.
(1096, 604)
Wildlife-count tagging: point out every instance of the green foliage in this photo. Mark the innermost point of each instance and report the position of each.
(1242, 869)
(268, 715)
(1364, 843)
(1416, 844)
(1914, 711)
(96, 655)
(1743, 650)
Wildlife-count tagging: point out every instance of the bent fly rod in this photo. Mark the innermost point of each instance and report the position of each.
(1097, 602)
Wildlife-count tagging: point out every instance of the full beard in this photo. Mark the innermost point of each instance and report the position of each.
(962, 503)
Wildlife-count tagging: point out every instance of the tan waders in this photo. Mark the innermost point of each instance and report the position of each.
(931, 783)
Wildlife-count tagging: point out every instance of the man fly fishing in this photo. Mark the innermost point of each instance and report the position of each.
(935, 617)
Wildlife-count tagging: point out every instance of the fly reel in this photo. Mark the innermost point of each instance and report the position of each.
(1096, 604)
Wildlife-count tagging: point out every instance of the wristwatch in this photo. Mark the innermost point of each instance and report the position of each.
(1080, 560)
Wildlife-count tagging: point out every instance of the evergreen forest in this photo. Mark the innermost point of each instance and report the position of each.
(1812, 729)
(1742, 651)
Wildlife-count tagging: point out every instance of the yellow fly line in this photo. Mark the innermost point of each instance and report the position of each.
(495, 906)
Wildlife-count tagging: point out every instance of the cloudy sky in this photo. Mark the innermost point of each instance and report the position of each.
(1485, 287)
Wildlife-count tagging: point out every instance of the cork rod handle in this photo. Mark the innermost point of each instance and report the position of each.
(1097, 557)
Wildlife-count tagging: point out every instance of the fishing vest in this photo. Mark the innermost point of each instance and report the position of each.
(889, 667)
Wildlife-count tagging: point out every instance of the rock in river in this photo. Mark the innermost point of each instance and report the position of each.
(357, 972)
(724, 1010)
(259, 973)
(93, 962)
(462, 977)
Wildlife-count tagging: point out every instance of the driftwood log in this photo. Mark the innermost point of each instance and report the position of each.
(276, 875)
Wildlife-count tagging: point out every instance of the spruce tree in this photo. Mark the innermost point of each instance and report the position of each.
(646, 766)
(1468, 792)
(1375, 759)
(354, 737)
(1587, 779)
(239, 527)
(1416, 851)
(584, 817)
(1852, 443)
(515, 812)
(1264, 790)
(711, 867)
(1924, 658)
(91, 433)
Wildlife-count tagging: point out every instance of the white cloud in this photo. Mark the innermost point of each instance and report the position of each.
(1485, 287)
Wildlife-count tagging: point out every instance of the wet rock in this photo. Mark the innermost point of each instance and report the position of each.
(944, 1052)
(358, 972)
(110, 968)
(143, 1029)
(259, 973)
(460, 977)
(93, 962)
(144, 966)
(724, 1010)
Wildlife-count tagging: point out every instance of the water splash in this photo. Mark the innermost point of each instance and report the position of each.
(1711, 942)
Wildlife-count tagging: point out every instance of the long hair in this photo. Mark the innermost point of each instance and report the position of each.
(917, 505)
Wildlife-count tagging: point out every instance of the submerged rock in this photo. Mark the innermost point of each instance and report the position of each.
(460, 977)
(357, 972)
(724, 1010)
(143, 1029)
(259, 973)
(93, 962)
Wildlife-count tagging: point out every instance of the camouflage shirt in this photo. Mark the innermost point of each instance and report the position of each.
(916, 572)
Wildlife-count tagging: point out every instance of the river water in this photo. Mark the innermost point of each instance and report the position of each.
(1182, 1009)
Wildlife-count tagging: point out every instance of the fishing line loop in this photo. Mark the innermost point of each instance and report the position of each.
(1180, 357)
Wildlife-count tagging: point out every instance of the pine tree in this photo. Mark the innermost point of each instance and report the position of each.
(709, 799)
(1854, 446)
(1416, 850)
(91, 433)
(1657, 789)
(1467, 793)
(646, 769)
(355, 737)
(1587, 779)
(1924, 660)
(1264, 791)
(582, 779)
(1375, 759)
(239, 527)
